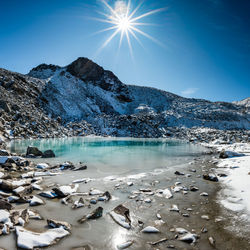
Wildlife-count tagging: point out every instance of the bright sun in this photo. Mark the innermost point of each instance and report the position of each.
(123, 20)
(124, 24)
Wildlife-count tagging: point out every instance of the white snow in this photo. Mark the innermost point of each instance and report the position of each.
(150, 229)
(174, 208)
(29, 240)
(130, 183)
(20, 183)
(42, 166)
(34, 215)
(85, 180)
(4, 216)
(96, 192)
(236, 186)
(28, 174)
(47, 173)
(189, 237)
(35, 201)
(177, 189)
(1, 174)
(67, 190)
(164, 193)
(121, 220)
(19, 190)
(36, 187)
(181, 230)
(124, 245)
(13, 198)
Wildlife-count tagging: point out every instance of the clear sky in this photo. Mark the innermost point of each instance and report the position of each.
(204, 49)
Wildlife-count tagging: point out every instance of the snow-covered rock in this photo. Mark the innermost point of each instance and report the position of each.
(42, 166)
(27, 239)
(35, 201)
(189, 238)
(150, 229)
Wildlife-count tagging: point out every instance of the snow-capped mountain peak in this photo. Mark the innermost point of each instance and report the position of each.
(83, 90)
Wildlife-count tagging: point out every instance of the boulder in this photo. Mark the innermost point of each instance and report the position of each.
(57, 224)
(35, 201)
(179, 173)
(48, 194)
(64, 191)
(48, 154)
(97, 213)
(78, 204)
(189, 238)
(22, 191)
(120, 215)
(42, 166)
(210, 177)
(27, 239)
(67, 165)
(227, 154)
(6, 186)
(4, 152)
(83, 167)
(150, 229)
(105, 197)
(33, 151)
(5, 205)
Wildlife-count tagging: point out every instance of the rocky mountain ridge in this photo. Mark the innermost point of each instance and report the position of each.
(82, 98)
(245, 102)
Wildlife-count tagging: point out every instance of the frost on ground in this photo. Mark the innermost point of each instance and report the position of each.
(235, 193)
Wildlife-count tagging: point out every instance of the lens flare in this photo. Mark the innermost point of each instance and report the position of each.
(125, 21)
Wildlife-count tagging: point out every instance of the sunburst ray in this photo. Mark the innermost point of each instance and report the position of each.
(123, 20)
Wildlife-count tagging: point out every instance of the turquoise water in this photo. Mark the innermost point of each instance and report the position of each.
(114, 155)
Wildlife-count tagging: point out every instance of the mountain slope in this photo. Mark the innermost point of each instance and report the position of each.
(84, 90)
(245, 102)
(83, 98)
(20, 112)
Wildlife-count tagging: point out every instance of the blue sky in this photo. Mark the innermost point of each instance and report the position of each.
(205, 52)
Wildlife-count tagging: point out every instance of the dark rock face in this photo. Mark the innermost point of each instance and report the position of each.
(46, 66)
(88, 71)
(85, 69)
(123, 98)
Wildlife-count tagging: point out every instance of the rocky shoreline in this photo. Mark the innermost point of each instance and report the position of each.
(175, 211)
